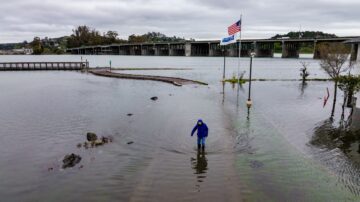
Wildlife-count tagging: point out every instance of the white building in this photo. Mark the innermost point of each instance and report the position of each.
(25, 51)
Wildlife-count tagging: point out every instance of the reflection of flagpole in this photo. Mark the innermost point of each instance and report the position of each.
(223, 92)
(239, 49)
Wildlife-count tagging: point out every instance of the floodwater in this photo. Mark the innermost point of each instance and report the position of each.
(278, 150)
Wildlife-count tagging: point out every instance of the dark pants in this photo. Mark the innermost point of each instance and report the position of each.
(201, 141)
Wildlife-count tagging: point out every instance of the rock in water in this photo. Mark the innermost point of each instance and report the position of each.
(154, 98)
(256, 164)
(129, 114)
(131, 142)
(86, 145)
(71, 160)
(91, 137)
(98, 142)
(105, 139)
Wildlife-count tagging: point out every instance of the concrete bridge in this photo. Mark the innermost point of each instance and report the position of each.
(262, 48)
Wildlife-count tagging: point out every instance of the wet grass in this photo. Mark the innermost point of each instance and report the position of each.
(130, 69)
(242, 81)
(235, 80)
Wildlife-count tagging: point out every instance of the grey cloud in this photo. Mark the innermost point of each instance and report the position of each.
(200, 19)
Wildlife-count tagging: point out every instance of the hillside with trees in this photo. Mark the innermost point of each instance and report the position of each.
(305, 35)
(86, 36)
(152, 37)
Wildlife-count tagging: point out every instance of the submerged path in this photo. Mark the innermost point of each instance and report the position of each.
(173, 80)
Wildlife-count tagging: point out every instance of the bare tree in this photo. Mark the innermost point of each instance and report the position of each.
(334, 56)
(304, 71)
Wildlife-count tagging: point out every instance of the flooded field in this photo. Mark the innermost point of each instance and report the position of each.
(278, 150)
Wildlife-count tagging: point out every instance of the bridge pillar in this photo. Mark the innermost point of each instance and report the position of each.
(122, 50)
(215, 49)
(316, 50)
(231, 50)
(200, 49)
(264, 49)
(156, 51)
(178, 49)
(132, 50)
(211, 51)
(246, 48)
(187, 49)
(317, 46)
(171, 51)
(354, 52)
(144, 50)
(290, 49)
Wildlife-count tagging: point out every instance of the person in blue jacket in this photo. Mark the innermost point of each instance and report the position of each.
(202, 133)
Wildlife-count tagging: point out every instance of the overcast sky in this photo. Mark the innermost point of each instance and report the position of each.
(200, 19)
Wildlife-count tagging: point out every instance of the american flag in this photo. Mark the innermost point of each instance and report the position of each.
(234, 28)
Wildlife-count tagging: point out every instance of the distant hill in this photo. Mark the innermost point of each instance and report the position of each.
(305, 35)
(10, 46)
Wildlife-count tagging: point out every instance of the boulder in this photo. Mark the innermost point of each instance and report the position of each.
(98, 142)
(86, 145)
(154, 98)
(105, 139)
(91, 137)
(71, 160)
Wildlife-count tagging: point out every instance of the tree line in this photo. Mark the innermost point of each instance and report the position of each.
(305, 35)
(87, 36)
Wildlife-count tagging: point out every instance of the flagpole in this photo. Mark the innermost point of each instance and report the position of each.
(239, 50)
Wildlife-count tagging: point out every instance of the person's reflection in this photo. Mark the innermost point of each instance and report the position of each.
(200, 165)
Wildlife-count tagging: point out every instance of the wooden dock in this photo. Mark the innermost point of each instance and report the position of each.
(31, 66)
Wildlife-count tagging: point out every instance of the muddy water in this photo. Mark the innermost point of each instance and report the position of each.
(264, 154)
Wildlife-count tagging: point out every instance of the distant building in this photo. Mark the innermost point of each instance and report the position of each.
(22, 51)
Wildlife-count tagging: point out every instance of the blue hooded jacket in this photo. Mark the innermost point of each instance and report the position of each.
(202, 129)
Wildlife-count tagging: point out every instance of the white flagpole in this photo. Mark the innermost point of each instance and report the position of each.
(239, 50)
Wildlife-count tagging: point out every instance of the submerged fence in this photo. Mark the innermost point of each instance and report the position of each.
(28, 66)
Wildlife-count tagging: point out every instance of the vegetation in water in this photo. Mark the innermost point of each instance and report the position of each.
(235, 79)
(303, 71)
(350, 85)
(334, 56)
